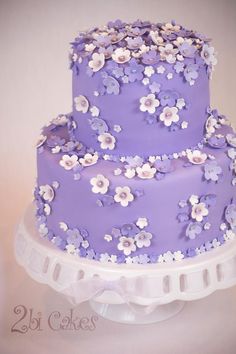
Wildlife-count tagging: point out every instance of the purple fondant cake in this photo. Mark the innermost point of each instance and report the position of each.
(142, 170)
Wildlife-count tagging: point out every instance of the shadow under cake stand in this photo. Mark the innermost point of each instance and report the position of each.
(125, 293)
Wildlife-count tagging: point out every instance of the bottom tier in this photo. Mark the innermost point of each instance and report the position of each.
(134, 210)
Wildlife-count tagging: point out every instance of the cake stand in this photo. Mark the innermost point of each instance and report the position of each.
(125, 293)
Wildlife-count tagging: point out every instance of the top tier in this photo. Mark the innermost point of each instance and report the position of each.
(141, 88)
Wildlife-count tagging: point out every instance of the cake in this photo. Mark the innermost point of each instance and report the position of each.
(142, 170)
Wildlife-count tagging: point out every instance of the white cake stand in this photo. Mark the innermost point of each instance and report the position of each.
(124, 293)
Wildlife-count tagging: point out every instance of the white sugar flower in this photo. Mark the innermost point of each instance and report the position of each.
(231, 139)
(89, 47)
(178, 256)
(94, 111)
(97, 62)
(108, 238)
(88, 159)
(117, 172)
(107, 141)
(130, 173)
(180, 103)
(121, 55)
(100, 184)
(123, 196)
(211, 124)
(143, 239)
(81, 104)
(60, 120)
(104, 257)
(149, 71)
(229, 235)
(232, 153)
(208, 54)
(85, 244)
(149, 103)
(161, 69)
(63, 226)
(46, 192)
(194, 199)
(184, 125)
(169, 76)
(41, 140)
(47, 209)
(71, 249)
(199, 211)
(169, 115)
(142, 223)
(43, 230)
(145, 81)
(126, 245)
(168, 53)
(146, 171)
(196, 157)
(117, 128)
(156, 38)
(69, 162)
(166, 257)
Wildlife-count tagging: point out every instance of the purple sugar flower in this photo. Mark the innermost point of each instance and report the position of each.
(134, 70)
(191, 72)
(99, 125)
(116, 232)
(190, 252)
(107, 200)
(182, 217)
(129, 230)
(102, 41)
(209, 199)
(179, 67)
(193, 230)
(168, 98)
(107, 51)
(90, 253)
(217, 141)
(69, 146)
(163, 166)
(212, 171)
(143, 258)
(55, 140)
(133, 162)
(74, 237)
(155, 87)
(159, 176)
(150, 57)
(134, 43)
(230, 215)
(118, 72)
(116, 24)
(112, 86)
(187, 50)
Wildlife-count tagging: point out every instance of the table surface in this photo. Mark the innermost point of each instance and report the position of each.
(203, 326)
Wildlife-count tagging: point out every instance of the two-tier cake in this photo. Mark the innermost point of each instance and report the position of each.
(142, 170)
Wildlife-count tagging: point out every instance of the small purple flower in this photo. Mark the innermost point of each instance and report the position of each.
(187, 50)
(90, 253)
(55, 140)
(134, 70)
(179, 67)
(133, 162)
(212, 171)
(84, 233)
(138, 193)
(112, 86)
(182, 217)
(155, 87)
(116, 232)
(74, 237)
(118, 72)
(150, 119)
(57, 241)
(163, 166)
(190, 252)
(107, 200)
(150, 57)
(209, 199)
(106, 51)
(116, 24)
(191, 72)
(129, 230)
(69, 146)
(99, 125)
(230, 215)
(168, 98)
(217, 141)
(193, 230)
(102, 41)
(134, 43)
(143, 258)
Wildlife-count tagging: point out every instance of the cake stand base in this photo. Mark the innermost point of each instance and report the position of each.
(125, 293)
(123, 313)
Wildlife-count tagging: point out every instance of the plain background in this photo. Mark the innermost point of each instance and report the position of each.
(35, 86)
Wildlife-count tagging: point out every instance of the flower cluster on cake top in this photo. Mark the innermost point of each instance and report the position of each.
(130, 50)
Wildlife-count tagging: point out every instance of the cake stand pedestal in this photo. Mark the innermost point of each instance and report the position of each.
(125, 293)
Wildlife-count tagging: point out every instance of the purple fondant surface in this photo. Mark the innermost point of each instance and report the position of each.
(137, 137)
